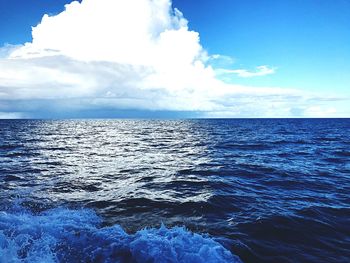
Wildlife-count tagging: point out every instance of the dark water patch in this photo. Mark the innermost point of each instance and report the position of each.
(327, 139)
(299, 238)
(334, 160)
(10, 147)
(187, 184)
(54, 149)
(21, 154)
(146, 179)
(342, 153)
(53, 163)
(10, 178)
(246, 147)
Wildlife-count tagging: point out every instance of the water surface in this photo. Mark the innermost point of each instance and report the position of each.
(268, 190)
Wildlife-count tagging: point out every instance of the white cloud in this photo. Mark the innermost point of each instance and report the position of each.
(136, 32)
(260, 71)
(127, 54)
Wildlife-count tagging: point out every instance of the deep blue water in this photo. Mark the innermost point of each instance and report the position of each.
(267, 190)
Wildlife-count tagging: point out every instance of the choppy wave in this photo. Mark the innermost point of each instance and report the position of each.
(65, 235)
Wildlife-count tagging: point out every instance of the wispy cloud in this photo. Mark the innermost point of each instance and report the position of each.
(244, 73)
(218, 60)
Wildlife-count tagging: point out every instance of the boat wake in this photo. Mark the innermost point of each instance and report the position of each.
(66, 235)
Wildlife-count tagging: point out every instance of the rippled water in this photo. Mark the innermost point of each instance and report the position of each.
(266, 190)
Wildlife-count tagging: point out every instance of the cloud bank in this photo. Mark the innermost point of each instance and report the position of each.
(129, 55)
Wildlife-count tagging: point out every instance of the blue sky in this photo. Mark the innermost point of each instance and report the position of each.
(305, 43)
(307, 40)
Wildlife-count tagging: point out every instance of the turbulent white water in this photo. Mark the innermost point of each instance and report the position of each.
(64, 235)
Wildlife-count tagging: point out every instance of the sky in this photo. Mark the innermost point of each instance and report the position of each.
(186, 58)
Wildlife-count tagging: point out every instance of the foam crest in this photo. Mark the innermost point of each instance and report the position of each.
(64, 235)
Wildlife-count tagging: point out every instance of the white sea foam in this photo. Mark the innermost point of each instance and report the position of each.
(64, 235)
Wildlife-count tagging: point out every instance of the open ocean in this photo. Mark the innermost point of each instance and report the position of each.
(263, 190)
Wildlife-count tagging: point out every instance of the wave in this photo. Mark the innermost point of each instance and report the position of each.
(66, 235)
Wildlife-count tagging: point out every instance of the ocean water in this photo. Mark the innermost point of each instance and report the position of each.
(257, 190)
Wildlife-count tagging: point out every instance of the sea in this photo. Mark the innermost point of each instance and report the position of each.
(202, 190)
